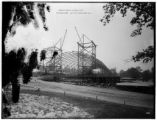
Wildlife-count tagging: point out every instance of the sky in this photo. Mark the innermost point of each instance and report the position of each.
(114, 44)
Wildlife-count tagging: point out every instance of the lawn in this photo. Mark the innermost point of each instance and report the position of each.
(100, 109)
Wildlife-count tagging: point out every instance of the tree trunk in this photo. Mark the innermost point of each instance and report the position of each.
(15, 92)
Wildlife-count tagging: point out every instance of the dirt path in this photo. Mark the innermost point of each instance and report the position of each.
(116, 96)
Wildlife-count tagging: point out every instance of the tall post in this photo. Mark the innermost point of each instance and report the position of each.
(78, 57)
(83, 57)
(61, 62)
(86, 50)
(54, 62)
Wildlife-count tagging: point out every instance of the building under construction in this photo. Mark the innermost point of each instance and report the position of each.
(81, 64)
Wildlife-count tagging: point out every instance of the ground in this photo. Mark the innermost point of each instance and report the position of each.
(105, 94)
(39, 106)
(80, 102)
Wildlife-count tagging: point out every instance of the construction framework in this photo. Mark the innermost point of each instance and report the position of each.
(85, 59)
(86, 49)
(78, 64)
(55, 64)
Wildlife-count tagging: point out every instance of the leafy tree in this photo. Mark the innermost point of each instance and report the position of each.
(55, 53)
(131, 72)
(153, 74)
(28, 67)
(144, 16)
(146, 55)
(153, 71)
(13, 15)
(13, 64)
(146, 75)
(139, 68)
(121, 73)
(21, 13)
(43, 56)
(33, 62)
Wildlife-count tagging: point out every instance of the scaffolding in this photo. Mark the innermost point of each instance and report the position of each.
(77, 64)
(86, 56)
(54, 64)
(86, 52)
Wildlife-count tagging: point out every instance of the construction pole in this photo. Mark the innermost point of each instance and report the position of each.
(78, 57)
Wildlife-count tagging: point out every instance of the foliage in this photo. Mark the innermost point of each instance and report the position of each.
(13, 15)
(144, 16)
(13, 64)
(131, 72)
(22, 13)
(42, 55)
(146, 55)
(33, 62)
(55, 53)
(15, 93)
(28, 67)
(146, 75)
(138, 73)
(27, 73)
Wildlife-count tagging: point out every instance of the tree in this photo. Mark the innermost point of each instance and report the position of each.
(146, 55)
(139, 69)
(146, 75)
(121, 73)
(13, 64)
(13, 15)
(21, 13)
(144, 16)
(153, 74)
(55, 53)
(153, 71)
(43, 56)
(131, 72)
(114, 72)
(28, 67)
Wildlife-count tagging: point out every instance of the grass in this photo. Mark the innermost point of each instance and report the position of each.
(101, 109)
